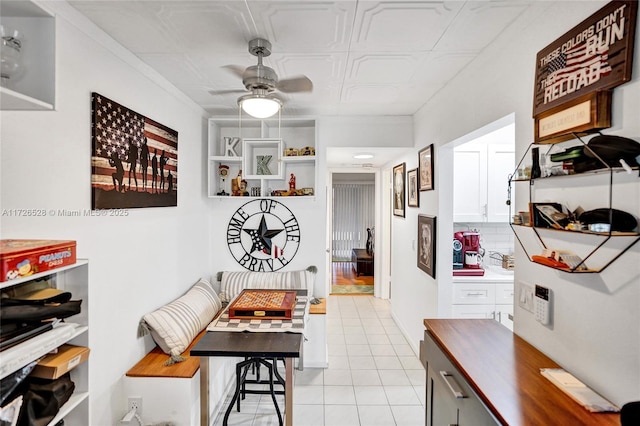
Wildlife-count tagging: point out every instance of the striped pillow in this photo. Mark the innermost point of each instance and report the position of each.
(232, 283)
(175, 325)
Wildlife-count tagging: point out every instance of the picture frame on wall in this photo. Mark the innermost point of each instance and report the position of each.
(427, 244)
(399, 189)
(134, 159)
(425, 168)
(413, 196)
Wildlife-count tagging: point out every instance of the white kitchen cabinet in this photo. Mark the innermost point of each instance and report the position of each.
(35, 87)
(480, 194)
(476, 297)
(287, 133)
(74, 330)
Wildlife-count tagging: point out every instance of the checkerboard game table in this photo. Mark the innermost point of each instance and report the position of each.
(255, 340)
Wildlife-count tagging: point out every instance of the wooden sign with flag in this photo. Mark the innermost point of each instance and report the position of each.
(595, 55)
(134, 160)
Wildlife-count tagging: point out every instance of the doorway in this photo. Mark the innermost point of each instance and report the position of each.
(475, 198)
(352, 230)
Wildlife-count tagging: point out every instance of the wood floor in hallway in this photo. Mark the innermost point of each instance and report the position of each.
(345, 281)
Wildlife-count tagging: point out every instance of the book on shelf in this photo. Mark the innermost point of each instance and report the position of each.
(567, 257)
(553, 216)
(537, 217)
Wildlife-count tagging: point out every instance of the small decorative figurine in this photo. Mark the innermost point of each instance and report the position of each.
(243, 188)
(223, 172)
(292, 183)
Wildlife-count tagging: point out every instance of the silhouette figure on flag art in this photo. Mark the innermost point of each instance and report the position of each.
(133, 162)
(154, 172)
(144, 162)
(163, 162)
(170, 181)
(118, 175)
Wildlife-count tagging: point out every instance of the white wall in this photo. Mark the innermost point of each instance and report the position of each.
(138, 262)
(354, 131)
(596, 331)
(310, 216)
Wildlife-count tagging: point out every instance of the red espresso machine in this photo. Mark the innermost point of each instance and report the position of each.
(471, 253)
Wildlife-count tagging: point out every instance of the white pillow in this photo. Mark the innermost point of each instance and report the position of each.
(175, 325)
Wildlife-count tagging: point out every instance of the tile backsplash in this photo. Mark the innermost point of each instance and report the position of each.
(493, 236)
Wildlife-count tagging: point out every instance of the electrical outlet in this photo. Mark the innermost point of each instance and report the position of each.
(135, 402)
(525, 296)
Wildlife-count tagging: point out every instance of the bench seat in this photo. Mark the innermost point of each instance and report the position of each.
(152, 365)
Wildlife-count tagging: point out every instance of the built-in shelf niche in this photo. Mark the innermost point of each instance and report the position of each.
(35, 89)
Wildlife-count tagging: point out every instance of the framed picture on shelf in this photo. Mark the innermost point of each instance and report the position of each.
(413, 199)
(547, 215)
(398, 189)
(427, 244)
(425, 168)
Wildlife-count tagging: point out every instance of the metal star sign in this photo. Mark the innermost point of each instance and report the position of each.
(261, 237)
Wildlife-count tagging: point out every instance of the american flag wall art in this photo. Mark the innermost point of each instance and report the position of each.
(134, 160)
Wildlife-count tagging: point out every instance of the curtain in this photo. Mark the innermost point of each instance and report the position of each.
(353, 213)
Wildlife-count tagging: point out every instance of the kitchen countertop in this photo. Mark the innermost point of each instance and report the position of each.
(504, 371)
(491, 273)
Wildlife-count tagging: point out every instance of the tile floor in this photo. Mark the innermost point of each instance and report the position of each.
(373, 378)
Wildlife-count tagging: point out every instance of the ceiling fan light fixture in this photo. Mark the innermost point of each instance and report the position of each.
(259, 106)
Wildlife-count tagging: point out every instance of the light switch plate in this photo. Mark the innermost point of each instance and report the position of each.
(525, 296)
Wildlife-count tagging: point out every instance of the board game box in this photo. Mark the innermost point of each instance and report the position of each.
(263, 304)
(22, 258)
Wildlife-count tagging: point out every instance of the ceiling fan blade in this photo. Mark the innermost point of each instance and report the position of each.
(236, 70)
(226, 92)
(295, 84)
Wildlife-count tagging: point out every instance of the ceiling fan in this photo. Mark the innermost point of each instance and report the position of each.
(262, 82)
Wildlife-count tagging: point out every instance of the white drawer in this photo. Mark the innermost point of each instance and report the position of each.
(474, 293)
(504, 294)
(474, 311)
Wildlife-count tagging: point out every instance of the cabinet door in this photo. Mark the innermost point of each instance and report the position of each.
(444, 407)
(441, 406)
(470, 184)
(503, 313)
(472, 412)
(504, 294)
(502, 163)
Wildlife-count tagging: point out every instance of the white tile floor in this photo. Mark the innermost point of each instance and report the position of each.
(374, 377)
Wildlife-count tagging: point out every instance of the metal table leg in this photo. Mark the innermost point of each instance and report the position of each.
(204, 391)
(288, 391)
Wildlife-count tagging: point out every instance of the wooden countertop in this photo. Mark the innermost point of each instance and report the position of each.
(320, 308)
(504, 370)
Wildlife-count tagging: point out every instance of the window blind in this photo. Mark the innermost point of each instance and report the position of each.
(353, 213)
